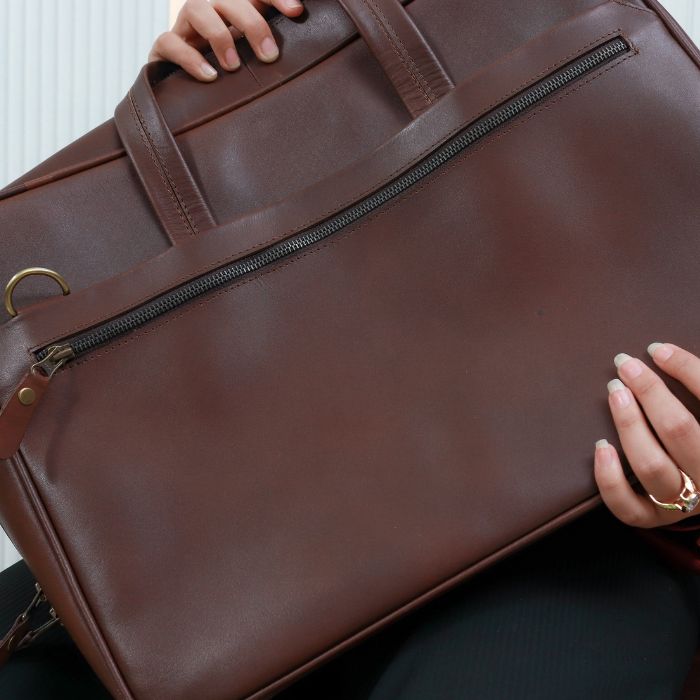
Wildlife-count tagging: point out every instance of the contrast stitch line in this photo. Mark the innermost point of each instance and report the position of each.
(431, 180)
(406, 52)
(156, 163)
(171, 180)
(396, 50)
(323, 215)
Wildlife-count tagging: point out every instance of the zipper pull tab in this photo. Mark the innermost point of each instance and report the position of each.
(15, 416)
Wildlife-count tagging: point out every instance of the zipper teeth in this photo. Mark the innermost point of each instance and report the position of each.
(170, 300)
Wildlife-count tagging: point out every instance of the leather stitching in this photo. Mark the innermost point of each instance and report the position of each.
(403, 56)
(336, 207)
(156, 163)
(178, 197)
(353, 229)
(407, 53)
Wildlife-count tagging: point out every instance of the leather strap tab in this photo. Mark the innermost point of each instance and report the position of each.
(16, 414)
(159, 163)
(401, 49)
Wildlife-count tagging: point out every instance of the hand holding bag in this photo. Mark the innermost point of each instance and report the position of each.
(308, 378)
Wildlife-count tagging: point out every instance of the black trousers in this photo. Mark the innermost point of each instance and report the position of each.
(589, 612)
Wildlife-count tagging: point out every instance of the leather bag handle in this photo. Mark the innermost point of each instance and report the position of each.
(401, 50)
(161, 167)
(393, 38)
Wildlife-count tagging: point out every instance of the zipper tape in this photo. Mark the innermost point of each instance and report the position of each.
(82, 343)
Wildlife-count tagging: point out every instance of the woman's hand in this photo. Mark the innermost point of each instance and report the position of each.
(217, 23)
(656, 463)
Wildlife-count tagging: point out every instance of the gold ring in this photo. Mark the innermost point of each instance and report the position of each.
(16, 279)
(686, 501)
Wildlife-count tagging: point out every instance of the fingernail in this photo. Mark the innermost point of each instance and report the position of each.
(232, 60)
(659, 351)
(269, 48)
(293, 4)
(620, 358)
(208, 70)
(602, 455)
(619, 392)
(631, 369)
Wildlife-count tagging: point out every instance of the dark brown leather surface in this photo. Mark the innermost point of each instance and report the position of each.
(329, 442)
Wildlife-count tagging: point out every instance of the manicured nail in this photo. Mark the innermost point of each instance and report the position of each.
(632, 367)
(659, 351)
(232, 60)
(602, 455)
(620, 358)
(208, 70)
(619, 392)
(269, 49)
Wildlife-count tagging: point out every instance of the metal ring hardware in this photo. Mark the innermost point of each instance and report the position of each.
(17, 278)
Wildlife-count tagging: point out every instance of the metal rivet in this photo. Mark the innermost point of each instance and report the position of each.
(26, 396)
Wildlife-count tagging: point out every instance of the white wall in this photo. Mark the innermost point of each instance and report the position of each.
(687, 12)
(64, 65)
(63, 72)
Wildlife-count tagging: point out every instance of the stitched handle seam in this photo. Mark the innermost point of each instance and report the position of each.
(405, 59)
(407, 53)
(180, 199)
(149, 149)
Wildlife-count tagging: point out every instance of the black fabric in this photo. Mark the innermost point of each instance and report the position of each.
(587, 612)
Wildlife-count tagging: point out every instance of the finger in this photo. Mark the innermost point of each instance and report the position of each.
(171, 47)
(291, 8)
(617, 492)
(678, 363)
(654, 468)
(208, 24)
(243, 16)
(674, 424)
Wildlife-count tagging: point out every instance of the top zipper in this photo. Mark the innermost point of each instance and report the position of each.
(50, 358)
(17, 412)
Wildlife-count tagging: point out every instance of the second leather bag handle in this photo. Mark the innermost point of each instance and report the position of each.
(393, 38)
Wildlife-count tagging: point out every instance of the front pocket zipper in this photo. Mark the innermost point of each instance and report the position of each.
(52, 357)
(85, 342)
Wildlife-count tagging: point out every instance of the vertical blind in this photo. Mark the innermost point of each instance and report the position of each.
(65, 65)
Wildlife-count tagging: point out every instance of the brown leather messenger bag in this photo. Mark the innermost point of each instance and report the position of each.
(335, 331)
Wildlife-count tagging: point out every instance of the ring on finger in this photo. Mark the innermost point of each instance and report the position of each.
(687, 500)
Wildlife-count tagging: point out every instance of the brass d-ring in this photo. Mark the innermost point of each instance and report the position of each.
(16, 279)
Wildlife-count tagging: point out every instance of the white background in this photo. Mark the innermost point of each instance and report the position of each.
(63, 72)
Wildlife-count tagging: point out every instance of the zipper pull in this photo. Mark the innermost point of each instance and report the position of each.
(15, 416)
